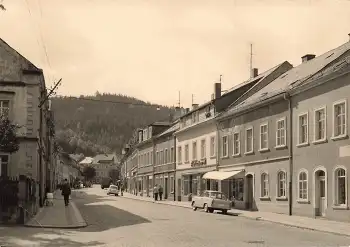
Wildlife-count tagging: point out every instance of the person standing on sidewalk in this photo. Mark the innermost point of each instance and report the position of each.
(155, 192)
(66, 191)
(160, 191)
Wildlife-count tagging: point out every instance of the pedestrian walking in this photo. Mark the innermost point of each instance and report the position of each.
(66, 191)
(155, 192)
(121, 189)
(160, 191)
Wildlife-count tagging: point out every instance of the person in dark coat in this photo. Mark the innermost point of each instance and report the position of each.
(66, 191)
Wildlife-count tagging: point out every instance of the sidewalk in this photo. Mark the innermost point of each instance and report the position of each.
(321, 225)
(58, 215)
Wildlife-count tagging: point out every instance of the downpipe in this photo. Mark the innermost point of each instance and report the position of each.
(290, 148)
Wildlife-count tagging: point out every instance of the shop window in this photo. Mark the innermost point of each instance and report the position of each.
(238, 189)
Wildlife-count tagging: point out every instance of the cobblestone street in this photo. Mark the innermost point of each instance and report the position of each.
(122, 222)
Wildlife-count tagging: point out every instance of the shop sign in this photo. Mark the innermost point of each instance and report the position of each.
(197, 163)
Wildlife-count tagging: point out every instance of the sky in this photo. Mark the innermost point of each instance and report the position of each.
(152, 50)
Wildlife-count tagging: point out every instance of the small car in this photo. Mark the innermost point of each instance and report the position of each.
(211, 200)
(112, 190)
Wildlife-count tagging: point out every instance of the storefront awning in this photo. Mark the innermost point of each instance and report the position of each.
(216, 175)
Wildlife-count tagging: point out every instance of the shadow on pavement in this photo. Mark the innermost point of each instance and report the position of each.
(38, 237)
(101, 217)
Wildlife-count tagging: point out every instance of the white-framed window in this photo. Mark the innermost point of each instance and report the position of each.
(281, 184)
(339, 119)
(157, 158)
(320, 129)
(172, 154)
(236, 140)
(303, 128)
(303, 185)
(264, 185)
(171, 181)
(249, 142)
(194, 150)
(281, 132)
(187, 153)
(151, 158)
(179, 155)
(203, 149)
(264, 137)
(340, 186)
(212, 146)
(4, 108)
(166, 155)
(224, 146)
(4, 165)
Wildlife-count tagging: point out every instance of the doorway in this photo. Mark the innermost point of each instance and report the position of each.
(320, 193)
(250, 190)
(166, 188)
(179, 191)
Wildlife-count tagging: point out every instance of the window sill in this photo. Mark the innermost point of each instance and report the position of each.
(281, 198)
(319, 141)
(213, 157)
(236, 155)
(224, 157)
(249, 153)
(340, 137)
(265, 198)
(303, 201)
(281, 147)
(340, 207)
(300, 145)
(263, 150)
(186, 162)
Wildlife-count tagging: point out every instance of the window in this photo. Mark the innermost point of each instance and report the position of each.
(179, 155)
(281, 133)
(303, 129)
(339, 119)
(187, 155)
(302, 186)
(151, 158)
(171, 181)
(4, 108)
(4, 165)
(172, 154)
(238, 189)
(320, 124)
(194, 150)
(212, 146)
(264, 137)
(281, 184)
(224, 146)
(203, 149)
(236, 144)
(157, 158)
(166, 156)
(249, 140)
(340, 187)
(264, 185)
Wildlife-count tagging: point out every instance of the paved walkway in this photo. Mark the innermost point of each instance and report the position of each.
(322, 225)
(58, 215)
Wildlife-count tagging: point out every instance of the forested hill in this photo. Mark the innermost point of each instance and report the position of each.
(94, 124)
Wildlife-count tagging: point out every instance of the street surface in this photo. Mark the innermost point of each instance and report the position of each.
(122, 222)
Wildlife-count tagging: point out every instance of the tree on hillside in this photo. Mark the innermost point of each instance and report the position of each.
(9, 142)
(2, 7)
(114, 174)
(89, 172)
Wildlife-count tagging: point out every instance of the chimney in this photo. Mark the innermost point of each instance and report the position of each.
(217, 90)
(349, 36)
(187, 110)
(194, 106)
(254, 72)
(307, 57)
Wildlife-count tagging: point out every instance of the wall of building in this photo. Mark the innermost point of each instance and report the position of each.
(327, 154)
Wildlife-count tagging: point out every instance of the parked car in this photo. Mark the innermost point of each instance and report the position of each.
(211, 200)
(112, 190)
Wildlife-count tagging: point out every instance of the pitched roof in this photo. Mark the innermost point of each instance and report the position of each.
(87, 160)
(103, 157)
(293, 77)
(172, 129)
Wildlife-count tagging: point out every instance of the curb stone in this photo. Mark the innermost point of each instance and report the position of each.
(254, 218)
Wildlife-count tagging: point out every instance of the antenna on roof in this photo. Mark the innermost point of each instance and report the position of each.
(179, 102)
(251, 61)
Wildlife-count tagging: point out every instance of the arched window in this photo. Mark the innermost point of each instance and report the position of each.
(302, 186)
(264, 185)
(340, 186)
(281, 184)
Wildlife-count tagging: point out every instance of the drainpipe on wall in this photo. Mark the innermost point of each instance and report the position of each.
(290, 135)
(174, 182)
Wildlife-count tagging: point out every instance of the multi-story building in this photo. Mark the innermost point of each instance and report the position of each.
(129, 165)
(286, 143)
(23, 98)
(165, 165)
(67, 168)
(103, 163)
(196, 138)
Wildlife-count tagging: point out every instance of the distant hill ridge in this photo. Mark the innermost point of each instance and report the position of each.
(101, 123)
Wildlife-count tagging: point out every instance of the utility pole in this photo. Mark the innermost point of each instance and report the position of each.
(179, 102)
(50, 93)
(251, 61)
(192, 99)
